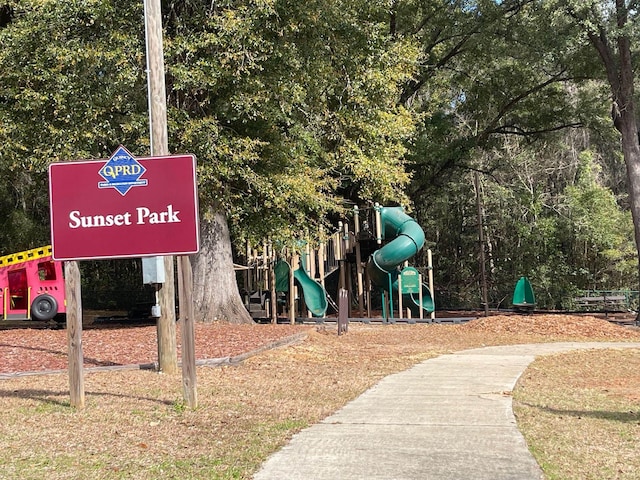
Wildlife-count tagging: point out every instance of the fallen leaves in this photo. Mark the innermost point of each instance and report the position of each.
(556, 325)
(30, 350)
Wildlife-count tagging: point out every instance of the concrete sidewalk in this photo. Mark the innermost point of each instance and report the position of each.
(446, 418)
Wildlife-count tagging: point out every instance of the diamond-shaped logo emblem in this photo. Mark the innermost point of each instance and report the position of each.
(122, 172)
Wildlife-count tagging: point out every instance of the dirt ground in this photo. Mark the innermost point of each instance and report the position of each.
(246, 410)
(43, 350)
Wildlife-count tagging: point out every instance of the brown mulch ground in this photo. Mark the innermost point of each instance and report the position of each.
(31, 350)
(554, 326)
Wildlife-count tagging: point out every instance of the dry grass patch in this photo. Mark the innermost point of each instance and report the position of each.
(135, 425)
(580, 414)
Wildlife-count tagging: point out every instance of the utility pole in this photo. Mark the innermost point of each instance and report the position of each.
(157, 98)
(483, 273)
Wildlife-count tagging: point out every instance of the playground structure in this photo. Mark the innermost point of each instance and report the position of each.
(31, 286)
(370, 264)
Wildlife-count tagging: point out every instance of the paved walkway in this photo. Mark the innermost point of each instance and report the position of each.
(447, 418)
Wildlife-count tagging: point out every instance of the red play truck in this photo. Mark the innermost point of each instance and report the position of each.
(31, 286)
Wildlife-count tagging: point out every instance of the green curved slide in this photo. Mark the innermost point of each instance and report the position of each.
(315, 296)
(408, 239)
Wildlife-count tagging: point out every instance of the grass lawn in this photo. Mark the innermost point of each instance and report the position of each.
(578, 411)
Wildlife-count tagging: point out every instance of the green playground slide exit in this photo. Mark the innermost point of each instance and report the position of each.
(315, 296)
(412, 300)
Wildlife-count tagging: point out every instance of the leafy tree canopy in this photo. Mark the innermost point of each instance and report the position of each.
(291, 108)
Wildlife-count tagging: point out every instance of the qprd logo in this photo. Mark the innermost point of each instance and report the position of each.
(122, 172)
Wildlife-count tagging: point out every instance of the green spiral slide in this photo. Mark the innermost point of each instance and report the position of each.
(407, 240)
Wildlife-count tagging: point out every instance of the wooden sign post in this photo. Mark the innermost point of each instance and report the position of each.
(185, 292)
(74, 333)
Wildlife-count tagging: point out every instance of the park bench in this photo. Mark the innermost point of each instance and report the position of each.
(603, 302)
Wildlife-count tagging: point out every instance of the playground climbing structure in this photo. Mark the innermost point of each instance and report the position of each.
(369, 260)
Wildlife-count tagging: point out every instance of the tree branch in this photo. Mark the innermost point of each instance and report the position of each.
(516, 130)
(514, 101)
(415, 85)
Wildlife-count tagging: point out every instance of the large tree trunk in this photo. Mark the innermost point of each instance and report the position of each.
(619, 68)
(624, 118)
(215, 290)
(627, 126)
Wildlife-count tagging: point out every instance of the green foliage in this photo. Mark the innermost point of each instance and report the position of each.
(515, 91)
(290, 107)
(70, 88)
(600, 235)
(71, 83)
(494, 70)
(546, 215)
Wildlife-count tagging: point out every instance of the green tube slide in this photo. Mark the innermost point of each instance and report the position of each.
(315, 296)
(409, 239)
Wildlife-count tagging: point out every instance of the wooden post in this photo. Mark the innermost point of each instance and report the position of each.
(247, 270)
(74, 333)
(343, 311)
(321, 260)
(255, 260)
(265, 263)
(345, 267)
(155, 81)
(274, 295)
(292, 292)
(307, 267)
(359, 272)
(433, 295)
(166, 326)
(342, 248)
(185, 292)
(311, 259)
(378, 225)
(345, 240)
(367, 282)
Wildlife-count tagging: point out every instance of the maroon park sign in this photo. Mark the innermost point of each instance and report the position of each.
(124, 207)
